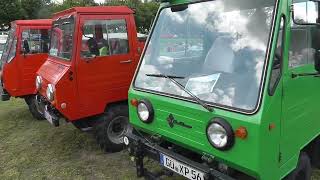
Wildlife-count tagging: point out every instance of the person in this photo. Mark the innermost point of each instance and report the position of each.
(101, 42)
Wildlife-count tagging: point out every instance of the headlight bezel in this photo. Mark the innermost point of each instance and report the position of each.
(229, 132)
(149, 107)
(50, 92)
(38, 82)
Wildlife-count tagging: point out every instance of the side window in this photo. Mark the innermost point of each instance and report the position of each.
(304, 38)
(35, 41)
(13, 49)
(277, 60)
(104, 38)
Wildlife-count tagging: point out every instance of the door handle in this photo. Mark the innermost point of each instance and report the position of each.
(124, 62)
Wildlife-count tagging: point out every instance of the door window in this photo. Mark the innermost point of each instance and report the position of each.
(304, 40)
(13, 49)
(277, 60)
(35, 41)
(104, 38)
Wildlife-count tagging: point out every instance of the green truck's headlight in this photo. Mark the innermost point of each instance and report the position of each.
(220, 134)
(145, 111)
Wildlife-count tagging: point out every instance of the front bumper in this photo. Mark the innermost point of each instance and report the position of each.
(50, 113)
(139, 148)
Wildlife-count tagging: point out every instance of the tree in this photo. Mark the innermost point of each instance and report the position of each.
(34, 9)
(10, 11)
(144, 12)
(145, 15)
(71, 3)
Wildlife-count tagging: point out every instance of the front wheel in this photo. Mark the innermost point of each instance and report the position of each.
(110, 128)
(303, 169)
(35, 107)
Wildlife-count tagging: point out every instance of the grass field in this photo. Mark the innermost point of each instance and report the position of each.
(31, 149)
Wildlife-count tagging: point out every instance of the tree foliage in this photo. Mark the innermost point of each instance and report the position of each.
(39, 9)
(10, 10)
(144, 12)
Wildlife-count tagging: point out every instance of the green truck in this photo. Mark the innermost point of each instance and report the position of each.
(228, 89)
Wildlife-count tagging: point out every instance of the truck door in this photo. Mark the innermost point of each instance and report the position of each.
(300, 121)
(34, 47)
(105, 60)
(9, 58)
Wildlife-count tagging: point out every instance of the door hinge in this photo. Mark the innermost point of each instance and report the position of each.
(70, 75)
(280, 157)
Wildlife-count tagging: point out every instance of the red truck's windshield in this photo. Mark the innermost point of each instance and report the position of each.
(62, 38)
(9, 49)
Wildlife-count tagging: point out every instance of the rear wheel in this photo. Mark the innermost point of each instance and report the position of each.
(35, 107)
(110, 128)
(303, 169)
(314, 153)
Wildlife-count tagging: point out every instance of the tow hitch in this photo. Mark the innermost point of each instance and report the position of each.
(51, 116)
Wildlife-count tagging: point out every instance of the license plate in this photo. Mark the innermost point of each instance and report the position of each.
(48, 116)
(181, 168)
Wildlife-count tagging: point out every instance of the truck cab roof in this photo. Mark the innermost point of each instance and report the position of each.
(95, 10)
(36, 22)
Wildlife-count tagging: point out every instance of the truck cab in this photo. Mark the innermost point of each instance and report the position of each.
(229, 90)
(25, 50)
(85, 80)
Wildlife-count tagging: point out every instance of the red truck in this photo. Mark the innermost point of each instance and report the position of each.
(25, 51)
(85, 80)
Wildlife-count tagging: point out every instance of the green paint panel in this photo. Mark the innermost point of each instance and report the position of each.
(291, 112)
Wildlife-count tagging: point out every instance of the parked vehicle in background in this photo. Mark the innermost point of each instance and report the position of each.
(232, 94)
(3, 39)
(85, 80)
(25, 51)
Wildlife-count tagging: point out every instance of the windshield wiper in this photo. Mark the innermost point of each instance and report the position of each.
(165, 76)
(172, 79)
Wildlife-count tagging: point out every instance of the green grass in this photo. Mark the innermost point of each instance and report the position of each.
(31, 149)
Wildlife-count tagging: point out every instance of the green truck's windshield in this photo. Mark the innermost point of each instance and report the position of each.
(62, 38)
(219, 47)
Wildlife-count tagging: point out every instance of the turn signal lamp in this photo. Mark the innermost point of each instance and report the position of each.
(134, 102)
(241, 133)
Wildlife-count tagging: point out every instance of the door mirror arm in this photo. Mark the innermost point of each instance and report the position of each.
(316, 74)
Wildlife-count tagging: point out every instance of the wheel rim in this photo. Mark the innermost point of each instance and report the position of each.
(39, 106)
(117, 128)
(301, 175)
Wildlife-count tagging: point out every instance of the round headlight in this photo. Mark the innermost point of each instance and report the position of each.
(50, 92)
(220, 134)
(38, 82)
(145, 111)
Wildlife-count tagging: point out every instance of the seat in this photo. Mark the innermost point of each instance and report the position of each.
(220, 57)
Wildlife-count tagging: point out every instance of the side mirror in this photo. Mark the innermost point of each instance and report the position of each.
(306, 13)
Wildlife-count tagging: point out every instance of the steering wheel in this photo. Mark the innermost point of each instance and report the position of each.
(276, 61)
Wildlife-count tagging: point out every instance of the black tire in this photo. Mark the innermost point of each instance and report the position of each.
(34, 107)
(314, 153)
(110, 128)
(303, 169)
